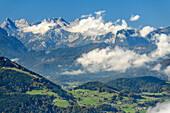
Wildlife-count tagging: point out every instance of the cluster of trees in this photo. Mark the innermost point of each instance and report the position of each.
(152, 102)
(109, 108)
(140, 84)
(124, 93)
(95, 85)
(17, 102)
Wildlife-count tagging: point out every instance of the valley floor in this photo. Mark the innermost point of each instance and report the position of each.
(128, 103)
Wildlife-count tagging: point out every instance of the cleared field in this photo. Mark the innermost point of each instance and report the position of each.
(57, 101)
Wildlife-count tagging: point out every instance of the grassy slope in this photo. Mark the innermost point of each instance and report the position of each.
(140, 84)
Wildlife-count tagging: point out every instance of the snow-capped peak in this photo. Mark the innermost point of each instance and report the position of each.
(21, 23)
(75, 22)
(45, 25)
(8, 23)
(60, 21)
(41, 28)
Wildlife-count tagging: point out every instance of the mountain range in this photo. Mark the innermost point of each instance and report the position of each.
(55, 33)
(52, 47)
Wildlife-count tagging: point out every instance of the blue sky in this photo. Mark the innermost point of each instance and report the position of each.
(155, 13)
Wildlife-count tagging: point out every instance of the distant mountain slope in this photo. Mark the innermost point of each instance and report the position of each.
(99, 86)
(53, 61)
(159, 31)
(140, 84)
(50, 62)
(9, 26)
(134, 84)
(140, 72)
(10, 46)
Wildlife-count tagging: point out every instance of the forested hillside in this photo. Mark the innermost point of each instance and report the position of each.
(16, 82)
(140, 84)
(98, 86)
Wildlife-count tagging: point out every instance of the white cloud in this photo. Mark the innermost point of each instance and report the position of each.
(99, 12)
(134, 17)
(40, 28)
(160, 108)
(84, 16)
(146, 30)
(111, 60)
(163, 46)
(119, 59)
(117, 21)
(92, 26)
(73, 72)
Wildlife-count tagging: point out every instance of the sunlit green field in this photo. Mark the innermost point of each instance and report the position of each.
(57, 101)
(92, 98)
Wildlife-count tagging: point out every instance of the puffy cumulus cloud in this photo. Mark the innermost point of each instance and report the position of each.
(134, 17)
(108, 59)
(118, 27)
(119, 59)
(73, 72)
(167, 72)
(163, 45)
(92, 26)
(146, 30)
(160, 108)
(40, 28)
